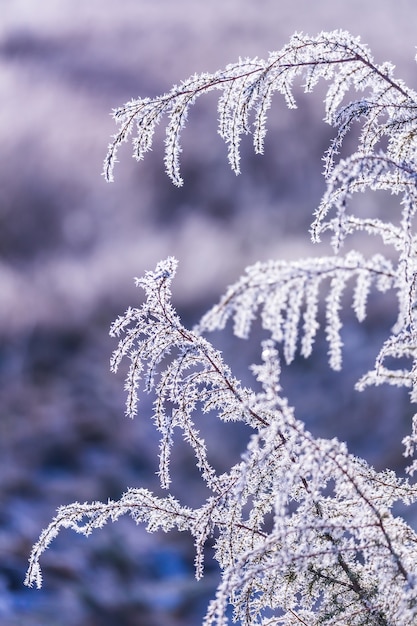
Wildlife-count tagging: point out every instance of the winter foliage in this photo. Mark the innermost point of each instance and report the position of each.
(304, 531)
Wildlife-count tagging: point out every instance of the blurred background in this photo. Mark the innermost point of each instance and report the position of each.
(70, 245)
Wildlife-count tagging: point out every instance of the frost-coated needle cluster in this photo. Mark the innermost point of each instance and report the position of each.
(304, 531)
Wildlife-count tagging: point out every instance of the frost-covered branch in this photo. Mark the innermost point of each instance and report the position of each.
(304, 531)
